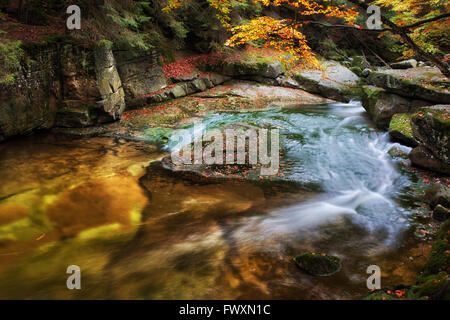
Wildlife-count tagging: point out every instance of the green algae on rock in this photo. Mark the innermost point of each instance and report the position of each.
(318, 264)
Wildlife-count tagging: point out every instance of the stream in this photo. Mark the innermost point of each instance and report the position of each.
(139, 233)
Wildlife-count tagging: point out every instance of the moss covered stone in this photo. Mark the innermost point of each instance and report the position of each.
(400, 129)
(440, 253)
(318, 264)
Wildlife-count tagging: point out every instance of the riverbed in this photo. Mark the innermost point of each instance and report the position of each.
(137, 232)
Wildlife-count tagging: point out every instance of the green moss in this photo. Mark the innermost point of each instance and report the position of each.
(432, 287)
(401, 122)
(372, 92)
(11, 54)
(356, 70)
(440, 257)
(380, 295)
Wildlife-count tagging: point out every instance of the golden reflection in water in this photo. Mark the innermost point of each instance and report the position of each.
(142, 233)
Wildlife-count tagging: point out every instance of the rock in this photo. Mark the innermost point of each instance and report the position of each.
(431, 128)
(366, 72)
(288, 82)
(411, 63)
(141, 72)
(81, 117)
(425, 83)
(335, 81)
(437, 194)
(178, 91)
(400, 130)
(395, 152)
(441, 213)
(74, 118)
(318, 264)
(31, 101)
(267, 68)
(422, 157)
(382, 105)
(109, 82)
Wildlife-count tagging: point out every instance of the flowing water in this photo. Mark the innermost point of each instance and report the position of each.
(138, 232)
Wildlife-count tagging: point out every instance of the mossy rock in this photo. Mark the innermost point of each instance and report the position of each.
(400, 129)
(434, 287)
(439, 259)
(318, 264)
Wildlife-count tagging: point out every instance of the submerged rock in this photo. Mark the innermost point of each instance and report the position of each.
(318, 264)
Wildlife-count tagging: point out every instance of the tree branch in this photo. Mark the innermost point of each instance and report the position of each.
(418, 23)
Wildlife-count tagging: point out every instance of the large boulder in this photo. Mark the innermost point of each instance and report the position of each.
(31, 101)
(437, 194)
(141, 72)
(382, 105)
(422, 157)
(424, 83)
(431, 128)
(334, 81)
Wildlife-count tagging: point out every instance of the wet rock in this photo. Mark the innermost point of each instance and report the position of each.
(441, 213)
(395, 152)
(425, 83)
(335, 81)
(411, 63)
(422, 157)
(318, 264)
(431, 127)
(437, 194)
(382, 105)
(400, 130)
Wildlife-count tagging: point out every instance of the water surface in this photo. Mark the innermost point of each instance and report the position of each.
(139, 232)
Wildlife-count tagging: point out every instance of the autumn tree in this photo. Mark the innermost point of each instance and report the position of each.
(286, 36)
(282, 34)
